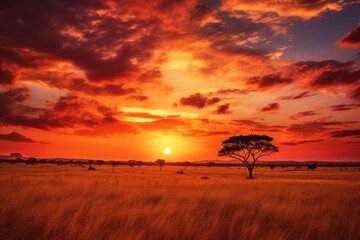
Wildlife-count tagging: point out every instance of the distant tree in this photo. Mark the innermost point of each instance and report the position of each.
(139, 163)
(248, 149)
(91, 168)
(272, 167)
(210, 164)
(186, 164)
(160, 162)
(312, 166)
(100, 162)
(32, 160)
(131, 163)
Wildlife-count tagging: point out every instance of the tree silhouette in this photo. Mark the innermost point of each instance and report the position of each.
(312, 166)
(160, 162)
(131, 163)
(248, 149)
(139, 163)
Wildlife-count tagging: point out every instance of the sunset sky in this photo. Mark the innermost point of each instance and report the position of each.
(127, 79)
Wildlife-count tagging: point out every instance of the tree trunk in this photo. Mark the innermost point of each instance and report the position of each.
(250, 173)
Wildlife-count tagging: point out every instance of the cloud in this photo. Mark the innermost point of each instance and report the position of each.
(301, 142)
(345, 133)
(298, 96)
(336, 78)
(290, 8)
(105, 46)
(17, 137)
(354, 93)
(351, 39)
(222, 109)
(271, 107)
(303, 114)
(68, 112)
(198, 100)
(139, 98)
(257, 126)
(203, 133)
(316, 127)
(105, 89)
(228, 91)
(343, 107)
(7, 77)
(332, 76)
(269, 81)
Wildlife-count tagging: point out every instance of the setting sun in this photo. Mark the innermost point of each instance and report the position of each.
(167, 151)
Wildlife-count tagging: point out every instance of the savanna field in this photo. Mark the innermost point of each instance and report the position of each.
(70, 202)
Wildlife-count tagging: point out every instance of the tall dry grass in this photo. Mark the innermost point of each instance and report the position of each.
(64, 202)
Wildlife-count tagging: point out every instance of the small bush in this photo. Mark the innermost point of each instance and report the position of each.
(204, 177)
(91, 168)
(312, 166)
(180, 172)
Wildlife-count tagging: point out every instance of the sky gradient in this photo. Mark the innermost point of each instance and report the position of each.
(126, 79)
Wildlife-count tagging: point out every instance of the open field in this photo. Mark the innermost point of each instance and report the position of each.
(70, 202)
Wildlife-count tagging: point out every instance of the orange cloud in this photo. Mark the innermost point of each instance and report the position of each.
(351, 39)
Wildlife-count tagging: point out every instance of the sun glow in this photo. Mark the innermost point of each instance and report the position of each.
(167, 151)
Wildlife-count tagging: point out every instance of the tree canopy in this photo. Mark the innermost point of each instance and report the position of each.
(248, 149)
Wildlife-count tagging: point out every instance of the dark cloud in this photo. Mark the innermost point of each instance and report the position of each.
(203, 133)
(327, 75)
(7, 77)
(336, 78)
(303, 114)
(104, 46)
(226, 91)
(72, 112)
(298, 96)
(257, 126)
(16, 137)
(345, 133)
(301, 142)
(269, 81)
(139, 98)
(198, 100)
(105, 89)
(355, 93)
(222, 109)
(343, 107)
(309, 66)
(316, 127)
(231, 28)
(271, 107)
(351, 39)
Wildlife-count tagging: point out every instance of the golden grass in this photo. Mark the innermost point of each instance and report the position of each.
(69, 202)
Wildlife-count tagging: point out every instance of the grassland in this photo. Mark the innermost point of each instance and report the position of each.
(70, 202)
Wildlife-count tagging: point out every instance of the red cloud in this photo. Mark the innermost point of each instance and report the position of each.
(198, 100)
(328, 74)
(271, 107)
(298, 96)
(70, 112)
(222, 109)
(351, 39)
(269, 81)
(17, 137)
(257, 126)
(301, 142)
(315, 127)
(345, 133)
(303, 114)
(343, 107)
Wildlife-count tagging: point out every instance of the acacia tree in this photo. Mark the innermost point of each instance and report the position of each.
(160, 162)
(248, 149)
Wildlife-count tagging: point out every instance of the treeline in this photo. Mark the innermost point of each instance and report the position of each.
(138, 163)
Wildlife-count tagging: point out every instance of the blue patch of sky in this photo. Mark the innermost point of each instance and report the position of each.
(316, 39)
